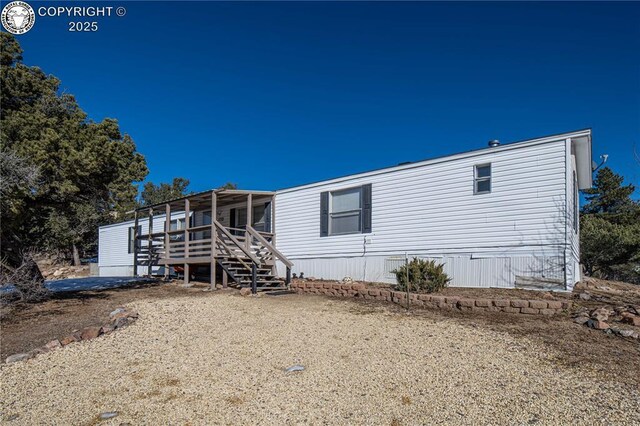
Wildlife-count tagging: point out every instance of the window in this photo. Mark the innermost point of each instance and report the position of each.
(177, 225)
(261, 217)
(132, 238)
(347, 211)
(482, 179)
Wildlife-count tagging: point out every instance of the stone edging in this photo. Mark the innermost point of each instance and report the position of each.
(119, 318)
(514, 306)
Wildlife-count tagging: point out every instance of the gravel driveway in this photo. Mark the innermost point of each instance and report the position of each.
(219, 359)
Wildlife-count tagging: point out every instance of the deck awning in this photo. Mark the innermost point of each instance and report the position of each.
(227, 196)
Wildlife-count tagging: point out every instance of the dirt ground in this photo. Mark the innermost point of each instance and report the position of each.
(199, 358)
(24, 327)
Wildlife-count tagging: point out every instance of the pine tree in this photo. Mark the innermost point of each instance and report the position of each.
(610, 230)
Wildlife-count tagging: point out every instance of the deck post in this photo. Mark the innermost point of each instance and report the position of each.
(150, 242)
(272, 227)
(186, 240)
(273, 220)
(214, 209)
(225, 278)
(249, 220)
(288, 277)
(167, 238)
(135, 244)
(254, 278)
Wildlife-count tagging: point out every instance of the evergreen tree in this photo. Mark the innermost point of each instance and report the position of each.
(87, 170)
(610, 230)
(155, 194)
(608, 195)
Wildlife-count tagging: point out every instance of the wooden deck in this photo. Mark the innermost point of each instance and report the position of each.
(240, 255)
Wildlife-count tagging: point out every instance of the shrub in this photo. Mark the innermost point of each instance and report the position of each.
(25, 278)
(424, 275)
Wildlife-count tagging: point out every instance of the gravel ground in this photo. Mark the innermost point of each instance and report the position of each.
(219, 359)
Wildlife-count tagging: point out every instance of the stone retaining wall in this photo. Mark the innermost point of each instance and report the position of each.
(514, 306)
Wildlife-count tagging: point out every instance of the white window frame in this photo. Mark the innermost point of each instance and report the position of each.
(345, 213)
(477, 179)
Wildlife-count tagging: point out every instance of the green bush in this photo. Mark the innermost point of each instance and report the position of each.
(424, 275)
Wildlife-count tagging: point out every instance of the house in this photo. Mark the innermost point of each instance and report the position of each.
(501, 216)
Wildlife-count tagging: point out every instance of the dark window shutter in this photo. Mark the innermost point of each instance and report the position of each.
(267, 216)
(366, 208)
(232, 218)
(324, 214)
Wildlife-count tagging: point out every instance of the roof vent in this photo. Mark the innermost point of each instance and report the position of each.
(494, 143)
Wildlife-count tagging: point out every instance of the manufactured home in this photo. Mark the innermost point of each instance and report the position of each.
(505, 215)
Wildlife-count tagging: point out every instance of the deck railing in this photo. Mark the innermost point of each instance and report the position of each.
(253, 249)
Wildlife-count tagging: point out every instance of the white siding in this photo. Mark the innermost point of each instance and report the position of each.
(573, 239)
(113, 246)
(429, 209)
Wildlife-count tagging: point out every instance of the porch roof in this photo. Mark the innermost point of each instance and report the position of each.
(226, 196)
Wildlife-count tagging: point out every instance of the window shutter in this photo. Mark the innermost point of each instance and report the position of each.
(267, 216)
(366, 209)
(232, 218)
(324, 214)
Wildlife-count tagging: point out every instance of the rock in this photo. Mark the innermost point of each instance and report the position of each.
(106, 329)
(620, 309)
(584, 296)
(57, 273)
(626, 333)
(68, 340)
(116, 312)
(634, 320)
(54, 344)
(581, 320)
(597, 325)
(119, 315)
(246, 291)
(600, 314)
(218, 286)
(347, 280)
(18, 357)
(121, 322)
(108, 415)
(294, 368)
(88, 333)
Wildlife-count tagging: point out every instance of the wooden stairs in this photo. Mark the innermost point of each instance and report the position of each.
(241, 273)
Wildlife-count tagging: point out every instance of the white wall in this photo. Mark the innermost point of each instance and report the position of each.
(429, 209)
(113, 244)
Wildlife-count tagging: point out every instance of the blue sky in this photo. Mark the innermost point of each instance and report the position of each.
(271, 95)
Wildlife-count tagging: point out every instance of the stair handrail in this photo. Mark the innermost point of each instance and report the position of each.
(236, 242)
(266, 243)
